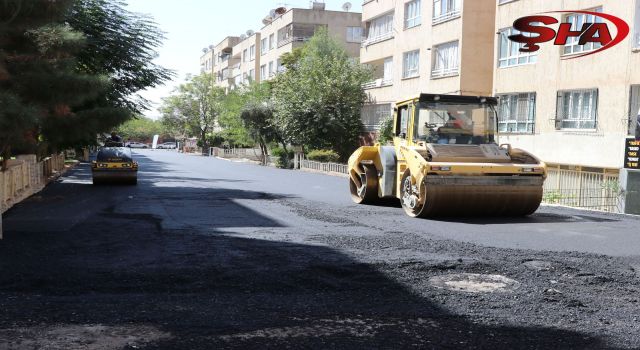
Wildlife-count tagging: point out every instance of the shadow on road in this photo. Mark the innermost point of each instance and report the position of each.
(207, 289)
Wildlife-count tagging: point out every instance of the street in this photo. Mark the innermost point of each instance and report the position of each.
(209, 254)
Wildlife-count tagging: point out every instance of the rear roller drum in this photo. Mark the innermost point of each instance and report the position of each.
(364, 190)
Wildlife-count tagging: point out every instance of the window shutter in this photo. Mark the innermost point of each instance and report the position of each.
(595, 107)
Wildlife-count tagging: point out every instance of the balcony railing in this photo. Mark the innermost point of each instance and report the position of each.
(377, 39)
(292, 39)
(441, 73)
(446, 16)
(381, 82)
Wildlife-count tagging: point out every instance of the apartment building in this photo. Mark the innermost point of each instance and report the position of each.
(207, 60)
(428, 46)
(225, 61)
(255, 56)
(289, 29)
(568, 111)
(245, 53)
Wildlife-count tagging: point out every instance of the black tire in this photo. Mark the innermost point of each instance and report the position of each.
(367, 192)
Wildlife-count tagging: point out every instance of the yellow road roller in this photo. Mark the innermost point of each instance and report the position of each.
(445, 162)
(114, 164)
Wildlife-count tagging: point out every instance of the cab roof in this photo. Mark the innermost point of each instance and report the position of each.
(462, 99)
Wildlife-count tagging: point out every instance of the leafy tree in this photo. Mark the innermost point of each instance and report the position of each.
(70, 69)
(318, 103)
(233, 129)
(141, 129)
(194, 107)
(386, 131)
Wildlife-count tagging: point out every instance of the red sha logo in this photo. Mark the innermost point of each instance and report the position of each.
(590, 32)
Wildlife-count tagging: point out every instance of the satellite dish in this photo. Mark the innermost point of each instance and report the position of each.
(242, 36)
(272, 13)
(346, 6)
(204, 50)
(210, 47)
(250, 32)
(267, 20)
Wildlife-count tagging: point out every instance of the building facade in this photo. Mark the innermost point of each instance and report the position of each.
(256, 56)
(207, 60)
(568, 111)
(425, 46)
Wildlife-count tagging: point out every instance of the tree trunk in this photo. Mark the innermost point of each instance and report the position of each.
(6, 155)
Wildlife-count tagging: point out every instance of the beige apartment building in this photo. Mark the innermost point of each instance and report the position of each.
(255, 56)
(245, 53)
(286, 30)
(207, 60)
(568, 111)
(225, 62)
(425, 46)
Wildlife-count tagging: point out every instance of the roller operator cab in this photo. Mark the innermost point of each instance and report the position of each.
(445, 162)
(114, 164)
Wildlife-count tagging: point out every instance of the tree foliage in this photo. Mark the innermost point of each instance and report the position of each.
(70, 69)
(141, 129)
(318, 104)
(194, 107)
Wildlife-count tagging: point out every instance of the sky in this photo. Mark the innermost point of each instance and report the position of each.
(191, 25)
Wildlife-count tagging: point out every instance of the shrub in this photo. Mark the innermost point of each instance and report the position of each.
(284, 158)
(385, 134)
(323, 155)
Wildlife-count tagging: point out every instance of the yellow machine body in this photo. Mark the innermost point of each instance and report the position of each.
(444, 162)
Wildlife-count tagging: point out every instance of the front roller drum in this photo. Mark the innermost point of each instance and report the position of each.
(364, 188)
(471, 196)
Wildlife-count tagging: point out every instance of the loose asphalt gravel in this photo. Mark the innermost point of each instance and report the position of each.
(210, 254)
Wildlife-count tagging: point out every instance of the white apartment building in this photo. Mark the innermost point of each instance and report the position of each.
(568, 111)
(245, 53)
(425, 46)
(207, 60)
(225, 62)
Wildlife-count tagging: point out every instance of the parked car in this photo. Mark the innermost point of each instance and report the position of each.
(114, 164)
(136, 145)
(167, 145)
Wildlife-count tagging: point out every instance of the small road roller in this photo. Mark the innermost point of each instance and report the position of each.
(445, 162)
(114, 164)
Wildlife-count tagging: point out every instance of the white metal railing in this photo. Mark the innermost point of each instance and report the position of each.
(381, 82)
(326, 167)
(446, 16)
(292, 39)
(439, 73)
(583, 189)
(376, 39)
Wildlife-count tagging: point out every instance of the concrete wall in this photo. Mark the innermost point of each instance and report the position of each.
(611, 72)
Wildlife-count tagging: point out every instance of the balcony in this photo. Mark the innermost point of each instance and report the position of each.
(445, 72)
(446, 17)
(378, 83)
(376, 39)
(292, 39)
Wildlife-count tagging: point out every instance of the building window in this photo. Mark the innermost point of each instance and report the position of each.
(271, 68)
(245, 56)
(373, 115)
(577, 20)
(577, 109)
(354, 34)
(387, 74)
(517, 113)
(412, 14)
(263, 72)
(411, 64)
(380, 29)
(444, 10)
(263, 46)
(252, 74)
(252, 53)
(445, 60)
(272, 41)
(634, 110)
(509, 51)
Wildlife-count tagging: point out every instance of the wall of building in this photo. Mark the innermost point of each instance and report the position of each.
(611, 72)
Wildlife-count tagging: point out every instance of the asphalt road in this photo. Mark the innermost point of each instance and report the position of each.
(206, 254)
